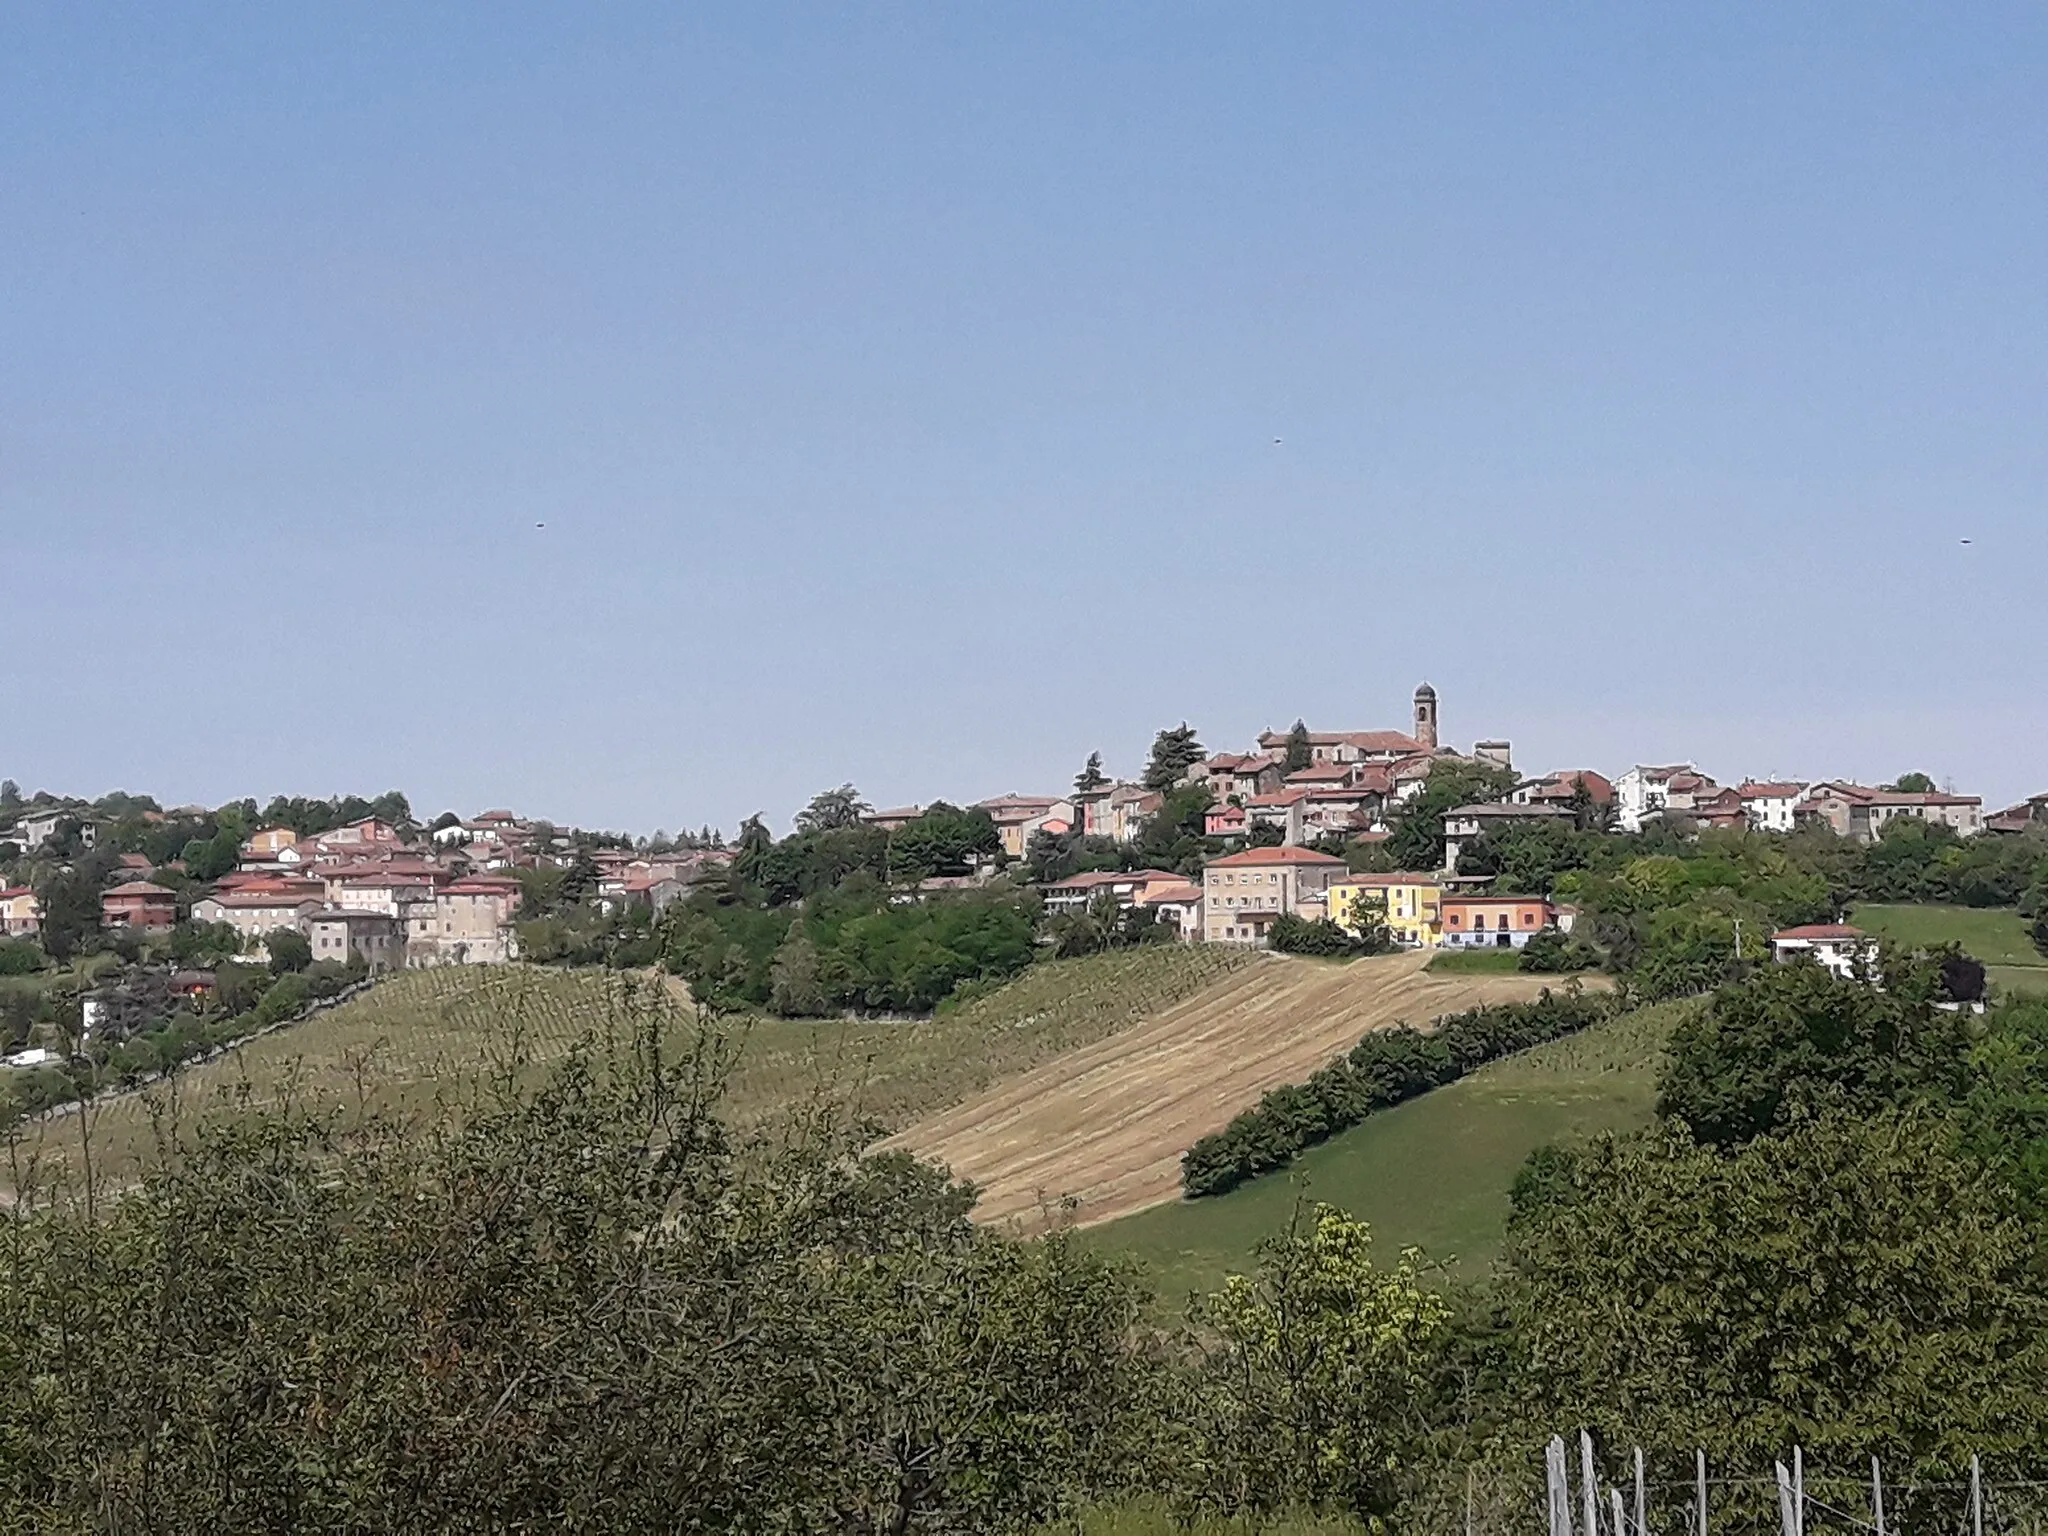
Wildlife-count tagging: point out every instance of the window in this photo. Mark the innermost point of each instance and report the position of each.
(1503, 922)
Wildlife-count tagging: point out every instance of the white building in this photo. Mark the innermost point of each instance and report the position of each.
(1840, 949)
(1770, 804)
(1644, 793)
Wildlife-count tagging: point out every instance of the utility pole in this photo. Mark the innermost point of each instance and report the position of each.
(1877, 1495)
(1699, 1468)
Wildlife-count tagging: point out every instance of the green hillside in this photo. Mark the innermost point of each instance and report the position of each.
(1433, 1173)
(1995, 935)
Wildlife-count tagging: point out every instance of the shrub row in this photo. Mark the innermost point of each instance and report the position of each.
(1384, 1069)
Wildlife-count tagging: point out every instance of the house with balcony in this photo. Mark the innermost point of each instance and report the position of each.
(1473, 921)
(140, 905)
(1126, 887)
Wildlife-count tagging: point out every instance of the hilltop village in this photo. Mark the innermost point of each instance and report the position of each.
(1317, 826)
(128, 920)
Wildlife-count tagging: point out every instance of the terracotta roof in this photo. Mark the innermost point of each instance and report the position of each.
(139, 888)
(1279, 797)
(1321, 773)
(1820, 931)
(1285, 855)
(1170, 894)
(255, 900)
(1365, 741)
(1752, 789)
(1398, 877)
(1479, 899)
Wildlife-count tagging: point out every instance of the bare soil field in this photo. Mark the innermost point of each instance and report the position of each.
(1098, 1133)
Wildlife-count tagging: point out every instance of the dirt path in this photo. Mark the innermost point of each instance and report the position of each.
(1106, 1125)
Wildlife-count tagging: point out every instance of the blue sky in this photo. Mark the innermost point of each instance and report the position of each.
(900, 385)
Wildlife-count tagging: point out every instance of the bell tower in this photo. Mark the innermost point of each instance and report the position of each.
(1425, 716)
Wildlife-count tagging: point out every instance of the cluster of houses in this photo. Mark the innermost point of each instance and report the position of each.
(370, 893)
(1278, 808)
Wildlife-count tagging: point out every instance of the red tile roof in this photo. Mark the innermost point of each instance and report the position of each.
(1753, 789)
(1258, 856)
(1818, 932)
(1279, 797)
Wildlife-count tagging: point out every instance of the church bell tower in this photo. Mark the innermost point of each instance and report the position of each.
(1425, 716)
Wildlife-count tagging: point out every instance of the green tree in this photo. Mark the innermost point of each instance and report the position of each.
(522, 1318)
(1796, 1038)
(1301, 752)
(289, 950)
(1174, 752)
(1313, 1388)
(1416, 837)
(2039, 933)
(1915, 784)
(1850, 1284)
(833, 810)
(1091, 777)
(10, 796)
(70, 900)
(793, 987)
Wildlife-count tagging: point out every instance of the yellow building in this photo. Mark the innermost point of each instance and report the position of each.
(1414, 905)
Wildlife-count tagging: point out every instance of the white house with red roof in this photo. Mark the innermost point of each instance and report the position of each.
(1837, 947)
(1771, 804)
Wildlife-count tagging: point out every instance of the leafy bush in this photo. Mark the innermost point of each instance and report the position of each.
(519, 1319)
(1796, 1037)
(1386, 1068)
(1298, 936)
(21, 957)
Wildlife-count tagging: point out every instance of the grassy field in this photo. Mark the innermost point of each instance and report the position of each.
(412, 1038)
(1994, 935)
(1476, 962)
(1098, 1133)
(1432, 1173)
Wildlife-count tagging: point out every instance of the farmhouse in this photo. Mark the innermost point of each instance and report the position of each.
(1843, 950)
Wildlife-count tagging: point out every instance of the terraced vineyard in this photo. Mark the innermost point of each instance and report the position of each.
(410, 1041)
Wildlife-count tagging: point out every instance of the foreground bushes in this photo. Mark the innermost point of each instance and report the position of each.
(1382, 1070)
(583, 1307)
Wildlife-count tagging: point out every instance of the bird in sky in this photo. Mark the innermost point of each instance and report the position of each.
(540, 525)
(1969, 541)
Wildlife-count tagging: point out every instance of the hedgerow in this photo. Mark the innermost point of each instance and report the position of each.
(1382, 1070)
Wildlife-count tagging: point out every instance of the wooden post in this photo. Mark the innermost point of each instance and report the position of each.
(1976, 1497)
(1560, 1487)
(1699, 1467)
(1589, 1484)
(1468, 1501)
(1641, 1524)
(1798, 1491)
(1785, 1501)
(1877, 1495)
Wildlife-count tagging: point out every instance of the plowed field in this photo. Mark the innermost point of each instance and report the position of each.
(1104, 1126)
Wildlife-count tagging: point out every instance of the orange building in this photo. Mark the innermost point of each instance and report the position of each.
(1505, 922)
